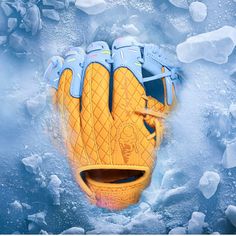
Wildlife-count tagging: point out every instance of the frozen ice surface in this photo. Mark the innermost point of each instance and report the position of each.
(180, 3)
(197, 133)
(215, 46)
(178, 230)
(54, 189)
(91, 7)
(231, 214)
(208, 183)
(32, 163)
(196, 223)
(74, 230)
(229, 160)
(198, 11)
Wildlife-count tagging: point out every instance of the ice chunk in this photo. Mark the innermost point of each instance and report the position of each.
(131, 29)
(231, 214)
(16, 205)
(32, 163)
(54, 3)
(3, 40)
(179, 3)
(91, 7)
(51, 14)
(196, 223)
(17, 43)
(74, 230)
(208, 183)
(214, 46)
(36, 105)
(198, 11)
(229, 160)
(31, 20)
(6, 9)
(178, 230)
(38, 218)
(12, 23)
(232, 110)
(54, 189)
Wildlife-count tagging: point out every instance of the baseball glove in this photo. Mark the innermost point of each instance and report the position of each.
(111, 127)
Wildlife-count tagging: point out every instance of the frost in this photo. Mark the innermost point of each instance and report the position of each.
(231, 214)
(54, 189)
(196, 223)
(74, 230)
(36, 105)
(51, 14)
(198, 11)
(214, 46)
(178, 230)
(208, 183)
(32, 163)
(180, 3)
(91, 7)
(229, 160)
(38, 218)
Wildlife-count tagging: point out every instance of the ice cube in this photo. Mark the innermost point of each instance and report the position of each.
(91, 7)
(54, 189)
(231, 214)
(229, 160)
(74, 230)
(179, 3)
(198, 11)
(208, 183)
(178, 230)
(32, 163)
(51, 14)
(196, 223)
(214, 46)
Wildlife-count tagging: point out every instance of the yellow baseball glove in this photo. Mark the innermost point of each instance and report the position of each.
(107, 131)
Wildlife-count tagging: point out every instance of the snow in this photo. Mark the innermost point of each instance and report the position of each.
(74, 230)
(231, 214)
(196, 223)
(91, 7)
(215, 46)
(208, 183)
(180, 3)
(54, 189)
(32, 163)
(178, 230)
(229, 160)
(198, 11)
